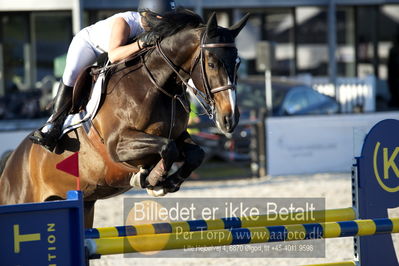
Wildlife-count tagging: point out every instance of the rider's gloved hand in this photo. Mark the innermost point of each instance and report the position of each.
(149, 39)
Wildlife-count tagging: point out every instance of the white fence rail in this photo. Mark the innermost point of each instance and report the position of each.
(355, 95)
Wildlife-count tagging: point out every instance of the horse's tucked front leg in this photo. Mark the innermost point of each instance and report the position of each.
(193, 156)
(144, 150)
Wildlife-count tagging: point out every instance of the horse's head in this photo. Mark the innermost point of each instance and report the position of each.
(207, 55)
(215, 73)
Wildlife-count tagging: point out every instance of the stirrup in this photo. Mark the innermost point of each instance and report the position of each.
(41, 142)
(48, 140)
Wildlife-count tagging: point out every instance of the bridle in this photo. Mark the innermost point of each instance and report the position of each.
(207, 97)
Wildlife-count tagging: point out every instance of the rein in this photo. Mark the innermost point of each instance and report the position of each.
(109, 66)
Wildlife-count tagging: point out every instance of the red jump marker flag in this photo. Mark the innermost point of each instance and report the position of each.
(71, 166)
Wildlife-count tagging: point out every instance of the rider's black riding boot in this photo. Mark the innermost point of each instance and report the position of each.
(48, 135)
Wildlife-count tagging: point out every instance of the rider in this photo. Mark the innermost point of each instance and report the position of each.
(111, 35)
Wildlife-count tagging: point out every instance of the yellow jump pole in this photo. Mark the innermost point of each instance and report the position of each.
(343, 263)
(333, 215)
(181, 240)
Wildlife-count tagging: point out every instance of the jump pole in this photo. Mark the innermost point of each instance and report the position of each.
(236, 236)
(333, 215)
(343, 263)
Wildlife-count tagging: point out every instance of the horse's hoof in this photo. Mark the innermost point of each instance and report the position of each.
(173, 189)
(173, 183)
(157, 192)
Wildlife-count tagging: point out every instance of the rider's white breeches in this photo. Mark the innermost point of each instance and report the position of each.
(81, 54)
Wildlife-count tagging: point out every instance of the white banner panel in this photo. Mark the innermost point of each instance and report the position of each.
(316, 144)
(9, 140)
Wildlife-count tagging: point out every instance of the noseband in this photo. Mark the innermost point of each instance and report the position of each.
(200, 58)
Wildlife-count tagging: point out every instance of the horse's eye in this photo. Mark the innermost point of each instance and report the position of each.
(211, 65)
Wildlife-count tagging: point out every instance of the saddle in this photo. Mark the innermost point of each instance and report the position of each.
(90, 87)
(87, 78)
(85, 83)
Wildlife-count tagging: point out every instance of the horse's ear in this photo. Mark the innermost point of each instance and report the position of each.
(212, 25)
(235, 29)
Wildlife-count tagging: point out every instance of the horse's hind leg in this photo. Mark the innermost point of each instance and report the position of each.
(89, 213)
(136, 147)
(88, 210)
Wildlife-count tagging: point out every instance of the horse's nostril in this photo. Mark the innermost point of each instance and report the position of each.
(228, 121)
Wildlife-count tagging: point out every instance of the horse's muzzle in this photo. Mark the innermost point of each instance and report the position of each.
(229, 123)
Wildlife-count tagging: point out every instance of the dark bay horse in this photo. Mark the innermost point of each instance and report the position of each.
(141, 123)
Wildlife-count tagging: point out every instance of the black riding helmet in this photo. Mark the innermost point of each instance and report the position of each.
(159, 7)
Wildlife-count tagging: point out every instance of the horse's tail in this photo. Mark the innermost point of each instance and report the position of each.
(3, 160)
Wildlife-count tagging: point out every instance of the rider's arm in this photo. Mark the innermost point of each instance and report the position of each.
(118, 49)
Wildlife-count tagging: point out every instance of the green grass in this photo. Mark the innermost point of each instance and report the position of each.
(222, 170)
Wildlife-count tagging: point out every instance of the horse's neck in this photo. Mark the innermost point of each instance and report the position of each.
(180, 49)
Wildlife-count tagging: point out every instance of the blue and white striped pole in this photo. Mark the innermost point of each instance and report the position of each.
(235, 236)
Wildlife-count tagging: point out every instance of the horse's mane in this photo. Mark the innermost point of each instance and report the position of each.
(172, 23)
